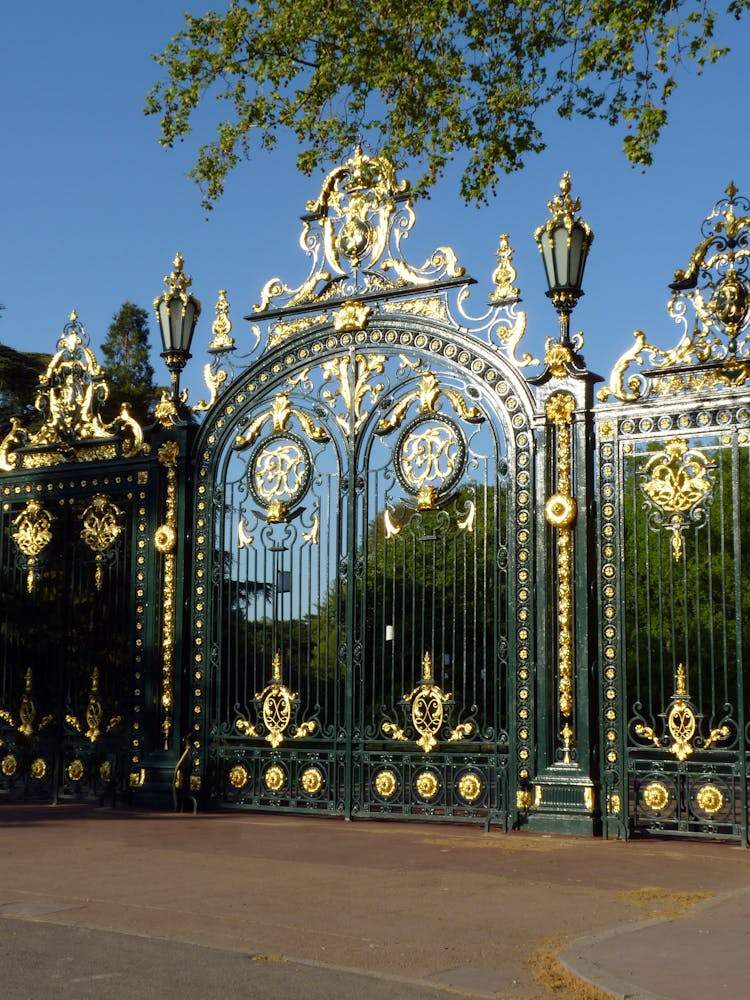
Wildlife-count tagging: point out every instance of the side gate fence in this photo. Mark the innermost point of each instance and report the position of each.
(394, 566)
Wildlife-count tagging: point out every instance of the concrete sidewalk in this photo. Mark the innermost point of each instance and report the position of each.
(415, 909)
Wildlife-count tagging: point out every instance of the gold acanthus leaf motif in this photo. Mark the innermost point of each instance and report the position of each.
(504, 275)
(69, 396)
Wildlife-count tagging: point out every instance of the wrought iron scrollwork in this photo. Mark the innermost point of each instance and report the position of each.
(427, 711)
(276, 708)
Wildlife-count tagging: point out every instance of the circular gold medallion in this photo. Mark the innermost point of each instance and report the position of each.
(710, 799)
(274, 778)
(312, 780)
(470, 787)
(656, 796)
(9, 765)
(386, 783)
(38, 768)
(238, 776)
(75, 770)
(427, 785)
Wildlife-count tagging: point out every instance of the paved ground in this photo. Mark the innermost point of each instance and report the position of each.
(114, 904)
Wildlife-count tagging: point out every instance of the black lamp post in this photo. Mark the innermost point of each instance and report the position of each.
(564, 242)
(177, 312)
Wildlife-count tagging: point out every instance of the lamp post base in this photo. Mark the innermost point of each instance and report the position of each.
(564, 800)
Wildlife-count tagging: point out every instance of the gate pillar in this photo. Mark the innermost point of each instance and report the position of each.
(565, 789)
(564, 795)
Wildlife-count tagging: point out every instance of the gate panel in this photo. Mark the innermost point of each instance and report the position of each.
(674, 468)
(274, 596)
(431, 703)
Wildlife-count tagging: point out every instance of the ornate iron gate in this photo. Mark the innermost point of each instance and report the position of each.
(363, 613)
(76, 568)
(674, 482)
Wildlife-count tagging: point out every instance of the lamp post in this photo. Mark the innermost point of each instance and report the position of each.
(564, 242)
(177, 312)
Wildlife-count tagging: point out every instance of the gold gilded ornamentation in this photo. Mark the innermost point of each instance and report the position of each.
(470, 787)
(313, 535)
(195, 783)
(167, 537)
(523, 798)
(467, 524)
(386, 783)
(588, 798)
(356, 225)
(75, 769)
(504, 275)
(311, 780)
(38, 768)
(102, 523)
(560, 511)
(32, 535)
(69, 396)
(244, 540)
(391, 529)
(137, 778)
(710, 799)
(427, 713)
(274, 778)
(280, 413)
(94, 715)
(284, 330)
(430, 306)
(351, 316)
(238, 776)
(9, 765)
(613, 804)
(276, 704)
(682, 724)
(222, 325)
(427, 785)
(679, 481)
(427, 394)
(430, 456)
(656, 796)
(353, 387)
(716, 287)
(105, 771)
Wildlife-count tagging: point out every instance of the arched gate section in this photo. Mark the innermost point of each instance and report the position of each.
(363, 612)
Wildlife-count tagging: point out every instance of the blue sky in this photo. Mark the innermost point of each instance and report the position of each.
(93, 209)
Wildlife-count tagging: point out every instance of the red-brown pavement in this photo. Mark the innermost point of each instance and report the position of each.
(431, 907)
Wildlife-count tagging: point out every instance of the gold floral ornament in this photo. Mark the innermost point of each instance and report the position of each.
(681, 735)
(102, 524)
(32, 535)
(218, 371)
(353, 233)
(679, 480)
(165, 541)
(560, 512)
(26, 724)
(276, 707)
(713, 351)
(70, 395)
(427, 702)
(94, 726)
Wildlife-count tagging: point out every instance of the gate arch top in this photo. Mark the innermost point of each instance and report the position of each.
(361, 293)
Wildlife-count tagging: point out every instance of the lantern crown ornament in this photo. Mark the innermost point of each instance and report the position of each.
(177, 311)
(564, 241)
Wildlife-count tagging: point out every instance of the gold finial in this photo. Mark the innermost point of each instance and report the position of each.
(276, 668)
(73, 316)
(95, 679)
(222, 325)
(27, 679)
(731, 190)
(563, 204)
(427, 666)
(177, 281)
(504, 274)
(681, 681)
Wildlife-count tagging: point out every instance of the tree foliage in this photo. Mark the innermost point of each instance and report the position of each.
(19, 379)
(125, 354)
(426, 80)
